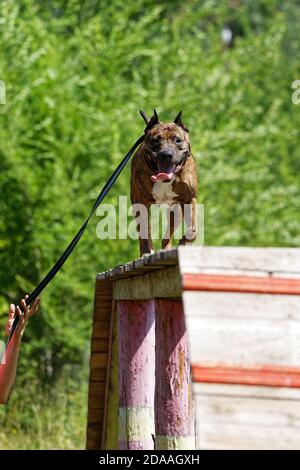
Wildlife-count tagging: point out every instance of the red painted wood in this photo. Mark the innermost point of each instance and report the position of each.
(267, 376)
(174, 413)
(229, 283)
(136, 340)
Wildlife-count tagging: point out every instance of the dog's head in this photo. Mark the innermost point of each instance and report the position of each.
(166, 146)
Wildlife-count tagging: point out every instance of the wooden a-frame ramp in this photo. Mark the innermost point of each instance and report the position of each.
(237, 310)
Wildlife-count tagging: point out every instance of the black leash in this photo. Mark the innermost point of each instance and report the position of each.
(60, 262)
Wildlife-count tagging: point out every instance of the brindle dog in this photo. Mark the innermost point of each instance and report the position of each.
(163, 171)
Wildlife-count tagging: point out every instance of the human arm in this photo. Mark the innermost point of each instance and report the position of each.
(9, 362)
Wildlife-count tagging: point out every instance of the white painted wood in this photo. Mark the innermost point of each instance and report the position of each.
(237, 329)
(227, 421)
(244, 342)
(136, 423)
(175, 442)
(239, 306)
(219, 259)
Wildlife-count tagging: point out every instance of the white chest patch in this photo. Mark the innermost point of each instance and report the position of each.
(163, 193)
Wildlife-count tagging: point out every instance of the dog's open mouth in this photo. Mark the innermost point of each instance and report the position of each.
(165, 172)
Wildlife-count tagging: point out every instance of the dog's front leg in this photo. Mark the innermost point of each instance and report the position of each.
(174, 214)
(144, 229)
(190, 217)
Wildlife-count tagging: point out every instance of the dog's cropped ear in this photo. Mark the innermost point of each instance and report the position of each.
(144, 116)
(179, 123)
(153, 121)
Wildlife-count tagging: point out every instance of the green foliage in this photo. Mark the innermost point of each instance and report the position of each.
(76, 74)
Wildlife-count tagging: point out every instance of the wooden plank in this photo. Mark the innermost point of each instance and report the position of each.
(110, 424)
(229, 283)
(100, 329)
(162, 283)
(174, 412)
(243, 329)
(95, 416)
(96, 388)
(98, 374)
(191, 259)
(146, 263)
(100, 345)
(97, 403)
(92, 441)
(231, 306)
(136, 361)
(99, 359)
(239, 341)
(98, 363)
(108, 390)
(226, 421)
(268, 376)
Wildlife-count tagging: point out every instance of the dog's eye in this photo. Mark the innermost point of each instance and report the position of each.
(178, 140)
(154, 141)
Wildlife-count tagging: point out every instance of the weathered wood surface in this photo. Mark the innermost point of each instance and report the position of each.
(268, 284)
(236, 260)
(99, 363)
(233, 329)
(136, 363)
(151, 262)
(165, 282)
(110, 433)
(249, 329)
(241, 417)
(174, 413)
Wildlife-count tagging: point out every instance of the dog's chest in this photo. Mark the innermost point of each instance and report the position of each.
(163, 193)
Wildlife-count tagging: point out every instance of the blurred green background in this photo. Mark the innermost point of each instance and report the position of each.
(76, 74)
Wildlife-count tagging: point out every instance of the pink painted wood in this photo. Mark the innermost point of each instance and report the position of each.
(174, 413)
(136, 373)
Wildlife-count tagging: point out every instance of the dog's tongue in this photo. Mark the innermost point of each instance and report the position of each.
(162, 177)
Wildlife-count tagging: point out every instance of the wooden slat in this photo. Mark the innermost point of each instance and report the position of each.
(226, 283)
(136, 365)
(92, 442)
(99, 363)
(242, 342)
(95, 415)
(99, 359)
(100, 329)
(174, 412)
(98, 374)
(243, 417)
(100, 345)
(238, 306)
(96, 387)
(243, 329)
(220, 259)
(157, 260)
(267, 376)
(110, 432)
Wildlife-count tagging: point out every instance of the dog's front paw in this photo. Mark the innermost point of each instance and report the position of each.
(188, 237)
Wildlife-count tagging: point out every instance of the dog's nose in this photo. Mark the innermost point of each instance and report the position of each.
(165, 154)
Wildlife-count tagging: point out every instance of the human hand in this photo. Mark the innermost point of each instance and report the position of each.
(23, 314)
